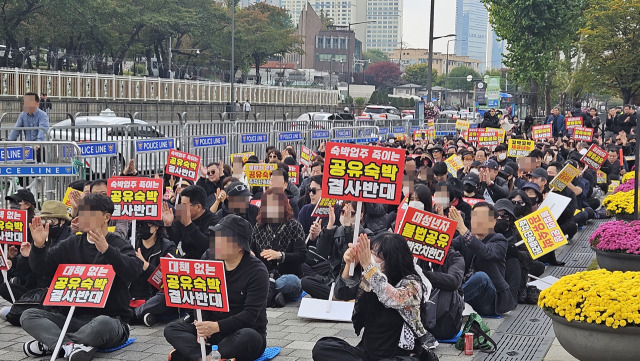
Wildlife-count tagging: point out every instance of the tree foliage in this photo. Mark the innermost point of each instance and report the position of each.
(418, 74)
(374, 56)
(458, 78)
(610, 40)
(385, 75)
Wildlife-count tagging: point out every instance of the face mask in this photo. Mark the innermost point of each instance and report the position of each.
(548, 158)
(417, 204)
(346, 222)
(377, 264)
(475, 171)
(502, 225)
(143, 232)
(550, 178)
(55, 231)
(519, 211)
(502, 156)
(469, 188)
(534, 200)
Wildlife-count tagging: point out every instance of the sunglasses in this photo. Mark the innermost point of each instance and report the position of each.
(314, 191)
(521, 203)
(211, 173)
(273, 156)
(239, 188)
(343, 212)
(503, 215)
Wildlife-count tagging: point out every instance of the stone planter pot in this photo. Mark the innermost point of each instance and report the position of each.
(614, 261)
(593, 342)
(625, 217)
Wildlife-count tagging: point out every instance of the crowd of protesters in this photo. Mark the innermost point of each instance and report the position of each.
(275, 251)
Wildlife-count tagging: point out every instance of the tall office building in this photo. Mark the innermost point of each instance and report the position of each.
(245, 3)
(474, 36)
(384, 32)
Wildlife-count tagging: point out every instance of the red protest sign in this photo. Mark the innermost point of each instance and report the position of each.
(183, 165)
(294, 172)
(82, 285)
(322, 207)
(13, 226)
(363, 173)
(542, 132)
(472, 135)
(156, 276)
(472, 201)
(594, 157)
(582, 134)
(572, 122)
(428, 235)
(135, 198)
(195, 284)
(402, 209)
(488, 139)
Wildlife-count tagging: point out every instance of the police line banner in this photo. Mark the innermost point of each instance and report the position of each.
(565, 177)
(135, 198)
(322, 207)
(572, 122)
(194, 284)
(259, 174)
(582, 134)
(363, 173)
(542, 132)
(454, 163)
(13, 226)
(540, 232)
(520, 148)
(82, 285)
(183, 165)
(428, 235)
(595, 157)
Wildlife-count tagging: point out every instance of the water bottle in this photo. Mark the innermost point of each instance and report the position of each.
(214, 355)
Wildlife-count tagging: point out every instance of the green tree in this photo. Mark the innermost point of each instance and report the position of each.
(418, 74)
(458, 78)
(385, 75)
(536, 32)
(610, 39)
(374, 56)
(326, 20)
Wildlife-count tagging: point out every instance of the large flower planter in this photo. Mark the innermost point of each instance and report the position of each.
(614, 261)
(596, 342)
(625, 217)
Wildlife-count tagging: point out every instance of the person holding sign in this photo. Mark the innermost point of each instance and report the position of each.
(90, 328)
(388, 291)
(238, 202)
(485, 287)
(240, 333)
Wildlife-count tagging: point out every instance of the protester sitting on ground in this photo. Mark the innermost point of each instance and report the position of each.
(278, 241)
(99, 186)
(388, 293)
(565, 221)
(241, 333)
(304, 198)
(238, 201)
(25, 201)
(221, 194)
(304, 216)
(449, 194)
(491, 186)
(485, 287)
(23, 280)
(90, 328)
(280, 179)
(331, 245)
(151, 245)
(188, 226)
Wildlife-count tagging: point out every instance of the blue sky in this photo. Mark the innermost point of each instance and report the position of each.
(416, 23)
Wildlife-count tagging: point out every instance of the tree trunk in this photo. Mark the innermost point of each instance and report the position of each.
(626, 95)
(257, 61)
(547, 94)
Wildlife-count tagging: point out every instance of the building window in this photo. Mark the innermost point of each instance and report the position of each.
(319, 42)
(343, 43)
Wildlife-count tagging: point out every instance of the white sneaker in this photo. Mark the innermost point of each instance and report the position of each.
(80, 352)
(35, 348)
(4, 311)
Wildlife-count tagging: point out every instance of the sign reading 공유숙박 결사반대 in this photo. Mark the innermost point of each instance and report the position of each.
(135, 198)
(540, 232)
(81, 285)
(582, 134)
(520, 147)
(194, 284)
(428, 235)
(183, 165)
(542, 132)
(363, 173)
(259, 174)
(594, 157)
(13, 226)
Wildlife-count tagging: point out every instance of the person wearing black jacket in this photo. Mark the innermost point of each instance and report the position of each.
(628, 120)
(240, 333)
(189, 226)
(490, 184)
(211, 183)
(490, 120)
(151, 245)
(90, 328)
(484, 251)
(610, 125)
(238, 202)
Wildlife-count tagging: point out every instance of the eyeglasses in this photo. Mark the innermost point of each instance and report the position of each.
(51, 221)
(343, 212)
(211, 172)
(314, 191)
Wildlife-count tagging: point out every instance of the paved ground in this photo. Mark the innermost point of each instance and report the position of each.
(524, 334)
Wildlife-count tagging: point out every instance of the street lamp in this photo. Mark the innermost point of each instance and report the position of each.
(431, 39)
(446, 79)
(470, 78)
(354, 50)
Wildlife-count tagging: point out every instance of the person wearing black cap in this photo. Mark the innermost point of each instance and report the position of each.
(23, 200)
(491, 186)
(240, 333)
(470, 186)
(533, 193)
(509, 173)
(238, 202)
(151, 245)
(505, 218)
(438, 153)
(440, 172)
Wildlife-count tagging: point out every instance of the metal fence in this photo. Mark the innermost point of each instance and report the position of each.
(65, 85)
